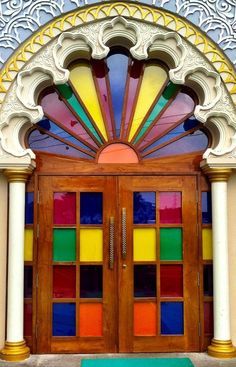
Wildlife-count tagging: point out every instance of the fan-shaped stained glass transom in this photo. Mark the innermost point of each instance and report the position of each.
(118, 110)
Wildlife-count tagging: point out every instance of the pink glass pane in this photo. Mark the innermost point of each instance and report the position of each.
(208, 318)
(64, 281)
(170, 207)
(64, 208)
(28, 319)
(136, 69)
(100, 71)
(171, 280)
(57, 111)
(176, 112)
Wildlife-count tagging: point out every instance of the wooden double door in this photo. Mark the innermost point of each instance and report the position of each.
(117, 264)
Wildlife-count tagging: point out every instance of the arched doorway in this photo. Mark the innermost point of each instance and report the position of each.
(134, 185)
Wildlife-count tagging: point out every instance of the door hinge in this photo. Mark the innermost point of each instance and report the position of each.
(38, 197)
(37, 231)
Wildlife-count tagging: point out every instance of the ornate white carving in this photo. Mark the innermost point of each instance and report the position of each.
(20, 18)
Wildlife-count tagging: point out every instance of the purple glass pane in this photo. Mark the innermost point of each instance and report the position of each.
(136, 69)
(206, 207)
(144, 207)
(91, 281)
(144, 280)
(42, 142)
(100, 71)
(64, 211)
(196, 142)
(170, 207)
(182, 106)
(57, 110)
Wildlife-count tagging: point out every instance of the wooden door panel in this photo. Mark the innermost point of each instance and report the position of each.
(161, 341)
(59, 302)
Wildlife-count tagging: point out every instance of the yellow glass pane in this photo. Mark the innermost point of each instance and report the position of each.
(153, 79)
(82, 80)
(28, 248)
(207, 244)
(91, 244)
(144, 241)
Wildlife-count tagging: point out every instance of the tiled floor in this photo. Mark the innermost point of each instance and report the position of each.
(73, 360)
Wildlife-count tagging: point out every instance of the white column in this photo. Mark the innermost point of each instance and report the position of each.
(15, 348)
(221, 345)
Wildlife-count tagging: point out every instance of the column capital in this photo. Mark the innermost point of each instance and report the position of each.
(217, 174)
(17, 174)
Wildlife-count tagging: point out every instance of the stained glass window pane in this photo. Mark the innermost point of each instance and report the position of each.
(171, 244)
(208, 318)
(207, 244)
(28, 244)
(172, 318)
(28, 319)
(206, 208)
(170, 207)
(145, 318)
(144, 280)
(144, 207)
(144, 244)
(28, 281)
(63, 319)
(90, 319)
(64, 281)
(64, 211)
(91, 281)
(29, 208)
(91, 208)
(64, 244)
(208, 280)
(91, 244)
(171, 280)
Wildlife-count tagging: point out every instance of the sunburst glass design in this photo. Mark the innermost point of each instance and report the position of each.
(118, 110)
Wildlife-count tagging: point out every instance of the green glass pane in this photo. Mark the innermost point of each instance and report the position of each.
(66, 92)
(167, 94)
(64, 244)
(171, 244)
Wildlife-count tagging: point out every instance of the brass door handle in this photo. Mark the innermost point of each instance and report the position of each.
(111, 242)
(124, 232)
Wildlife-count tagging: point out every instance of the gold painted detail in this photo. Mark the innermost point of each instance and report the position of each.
(15, 351)
(17, 175)
(217, 174)
(221, 349)
(112, 9)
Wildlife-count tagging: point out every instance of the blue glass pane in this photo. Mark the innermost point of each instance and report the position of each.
(144, 207)
(28, 281)
(172, 318)
(29, 208)
(144, 280)
(63, 319)
(91, 208)
(118, 67)
(91, 281)
(206, 207)
(208, 280)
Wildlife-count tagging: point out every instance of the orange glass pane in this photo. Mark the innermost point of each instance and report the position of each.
(118, 153)
(145, 319)
(90, 319)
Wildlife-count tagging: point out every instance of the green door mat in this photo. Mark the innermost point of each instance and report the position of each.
(137, 362)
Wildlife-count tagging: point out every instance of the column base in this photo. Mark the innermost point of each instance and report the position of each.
(15, 351)
(221, 349)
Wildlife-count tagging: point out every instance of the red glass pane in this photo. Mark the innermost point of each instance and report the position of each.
(28, 319)
(57, 111)
(136, 69)
(171, 280)
(64, 211)
(170, 207)
(182, 106)
(208, 318)
(64, 281)
(100, 71)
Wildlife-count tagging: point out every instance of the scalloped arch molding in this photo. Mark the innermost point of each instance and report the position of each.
(150, 32)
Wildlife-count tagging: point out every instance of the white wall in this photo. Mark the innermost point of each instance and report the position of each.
(232, 252)
(3, 253)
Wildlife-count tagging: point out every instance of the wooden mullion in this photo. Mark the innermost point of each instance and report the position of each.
(158, 117)
(170, 141)
(78, 118)
(100, 102)
(87, 113)
(166, 131)
(65, 141)
(149, 111)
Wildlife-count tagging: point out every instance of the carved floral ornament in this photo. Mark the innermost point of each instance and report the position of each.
(188, 66)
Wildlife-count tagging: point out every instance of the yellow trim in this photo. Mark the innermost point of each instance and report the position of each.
(17, 175)
(15, 351)
(111, 9)
(217, 174)
(221, 349)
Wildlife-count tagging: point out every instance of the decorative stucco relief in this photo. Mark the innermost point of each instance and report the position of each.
(48, 66)
(21, 18)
